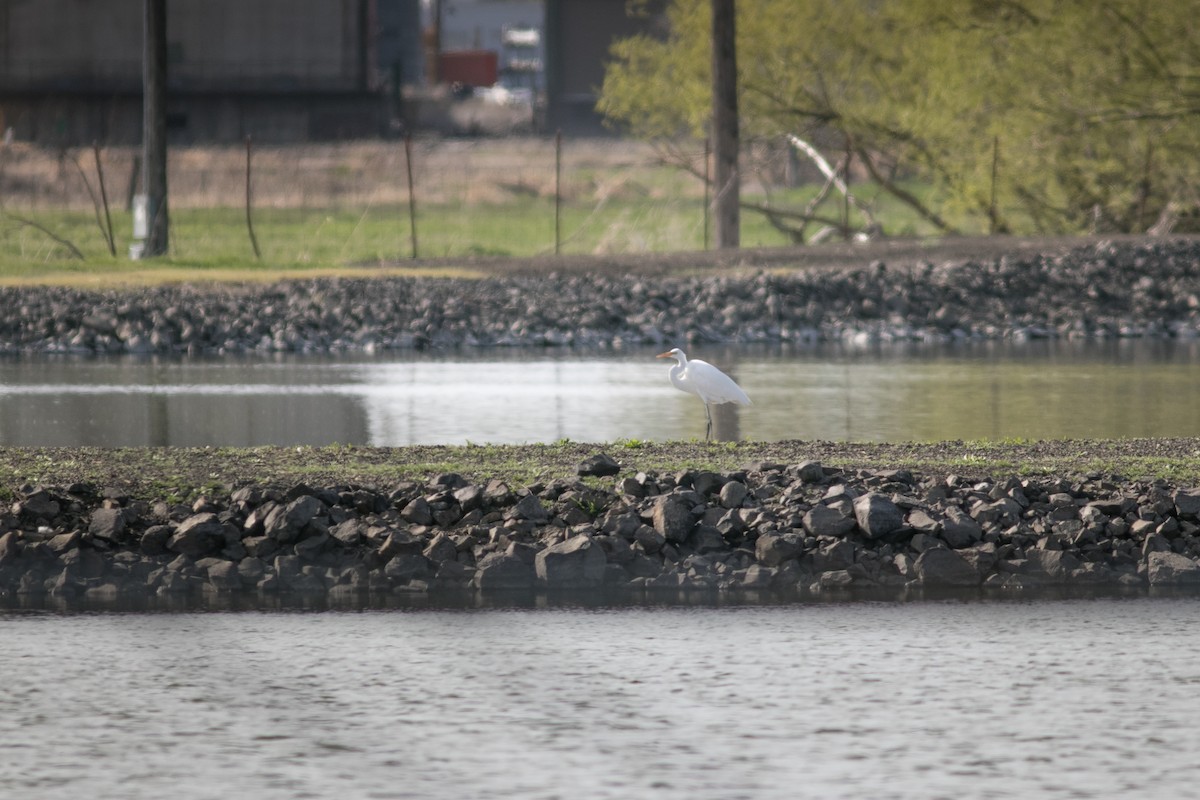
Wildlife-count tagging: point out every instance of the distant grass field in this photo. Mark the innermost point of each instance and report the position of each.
(337, 209)
(213, 243)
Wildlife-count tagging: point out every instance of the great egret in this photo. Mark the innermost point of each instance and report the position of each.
(705, 381)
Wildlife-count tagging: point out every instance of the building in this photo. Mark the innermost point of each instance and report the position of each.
(287, 70)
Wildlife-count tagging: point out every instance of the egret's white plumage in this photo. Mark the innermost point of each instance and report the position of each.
(705, 381)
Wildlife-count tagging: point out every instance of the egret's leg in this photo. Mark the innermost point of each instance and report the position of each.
(708, 430)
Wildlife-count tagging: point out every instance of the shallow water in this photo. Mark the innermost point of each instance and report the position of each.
(1057, 699)
(997, 390)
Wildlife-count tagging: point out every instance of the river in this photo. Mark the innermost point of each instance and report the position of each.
(1049, 699)
(902, 392)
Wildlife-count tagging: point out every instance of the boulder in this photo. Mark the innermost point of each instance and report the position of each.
(1172, 569)
(733, 494)
(599, 465)
(107, 523)
(285, 522)
(576, 563)
(198, 536)
(942, 567)
(822, 520)
(500, 572)
(672, 518)
(877, 515)
(772, 549)
(959, 530)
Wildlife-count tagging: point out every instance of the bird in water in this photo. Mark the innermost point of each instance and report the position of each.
(705, 381)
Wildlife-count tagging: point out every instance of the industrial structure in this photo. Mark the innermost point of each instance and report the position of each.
(291, 70)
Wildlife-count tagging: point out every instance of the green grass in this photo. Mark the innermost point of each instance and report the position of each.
(213, 243)
(181, 473)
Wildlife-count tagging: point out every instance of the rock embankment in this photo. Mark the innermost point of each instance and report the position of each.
(1116, 289)
(789, 530)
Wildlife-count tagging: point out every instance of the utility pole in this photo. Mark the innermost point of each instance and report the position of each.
(154, 126)
(726, 198)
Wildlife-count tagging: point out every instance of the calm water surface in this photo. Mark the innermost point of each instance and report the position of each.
(1063, 699)
(886, 393)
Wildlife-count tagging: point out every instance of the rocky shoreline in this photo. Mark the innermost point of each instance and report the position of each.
(1106, 289)
(772, 530)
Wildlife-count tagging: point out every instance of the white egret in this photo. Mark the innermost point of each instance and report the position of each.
(705, 381)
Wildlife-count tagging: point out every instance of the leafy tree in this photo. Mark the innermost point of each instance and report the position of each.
(1022, 115)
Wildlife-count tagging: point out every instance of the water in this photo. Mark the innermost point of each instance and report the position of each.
(992, 390)
(1060, 699)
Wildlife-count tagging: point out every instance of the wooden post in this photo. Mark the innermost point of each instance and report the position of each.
(412, 197)
(249, 222)
(558, 192)
(725, 124)
(154, 126)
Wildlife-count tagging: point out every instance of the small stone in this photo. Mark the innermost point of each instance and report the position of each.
(599, 465)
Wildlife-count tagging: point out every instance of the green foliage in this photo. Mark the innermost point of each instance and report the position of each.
(1085, 110)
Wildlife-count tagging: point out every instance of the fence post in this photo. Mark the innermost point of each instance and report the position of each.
(249, 222)
(412, 197)
(558, 192)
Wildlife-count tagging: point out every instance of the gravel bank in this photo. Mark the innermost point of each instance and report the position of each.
(786, 531)
(1119, 288)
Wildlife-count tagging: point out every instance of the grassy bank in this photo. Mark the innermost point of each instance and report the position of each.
(180, 473)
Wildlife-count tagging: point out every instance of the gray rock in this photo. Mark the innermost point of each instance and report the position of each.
(733, 494)
(1172, 569)
(650, 540)
(441, 548)
(1187, 503)
(959, 530)
(942, 567)
(1055, 565)
(600, 465)
(877, 515)
(408, 567)
(834, 556)
(672, 518)
(10, 547)
(349, 533)
(154, 540)
(576, 563)
(198, 536)
(500, 572)
(530, 508)
(285, 523)
(417, 512)
(225, 576)
(470, 497)
(707, 539)
(310, 547)
(821, 520)
(107, 523)
(810, 472)
(772, 549)
(919, 520)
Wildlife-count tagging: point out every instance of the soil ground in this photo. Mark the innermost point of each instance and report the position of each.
(181, 473)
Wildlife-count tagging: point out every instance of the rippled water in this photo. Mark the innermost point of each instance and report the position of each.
(1050, 699)
(995, 390)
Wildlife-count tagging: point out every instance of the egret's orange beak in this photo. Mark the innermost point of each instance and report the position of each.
(664, 355)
